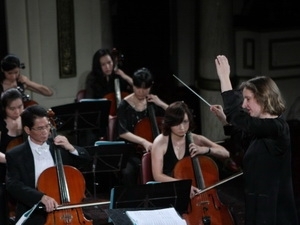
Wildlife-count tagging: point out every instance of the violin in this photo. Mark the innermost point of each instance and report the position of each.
(117, 95)
(205, 208)
(67, 188)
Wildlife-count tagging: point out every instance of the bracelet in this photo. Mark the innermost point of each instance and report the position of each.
(208, 152)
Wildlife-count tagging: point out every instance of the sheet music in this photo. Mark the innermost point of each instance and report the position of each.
(167, 216)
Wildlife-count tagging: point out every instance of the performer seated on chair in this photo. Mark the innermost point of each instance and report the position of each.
(132, 109)
(27, 161)
(10, 131)
(11, 77)
(100, 81)
(100, 84)
(172, 145)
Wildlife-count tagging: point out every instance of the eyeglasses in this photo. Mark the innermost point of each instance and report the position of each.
(47, 127)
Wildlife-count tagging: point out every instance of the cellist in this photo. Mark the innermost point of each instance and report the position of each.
(100, 80)
(27, 161)
(10, 130)
(11, 77)
(172, 144)
(134, 108)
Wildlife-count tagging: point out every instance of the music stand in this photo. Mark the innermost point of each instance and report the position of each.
(107, 156)
(110, 156)
(84, 115)
(148, 196)
(154, 195)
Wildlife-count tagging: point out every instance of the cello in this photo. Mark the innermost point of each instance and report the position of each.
(148, 127)
(116, 96)
(67, 188)
(205, 208)
(27, 101)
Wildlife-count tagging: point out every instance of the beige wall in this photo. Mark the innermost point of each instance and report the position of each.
(32, 35)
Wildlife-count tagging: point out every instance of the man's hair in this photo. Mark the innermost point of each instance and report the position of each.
(31, 113)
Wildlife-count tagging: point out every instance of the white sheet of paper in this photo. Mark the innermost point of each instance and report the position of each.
(167, 216)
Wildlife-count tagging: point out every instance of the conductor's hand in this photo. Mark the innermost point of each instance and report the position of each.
(50, 203)
(222, 65)
(218, 111)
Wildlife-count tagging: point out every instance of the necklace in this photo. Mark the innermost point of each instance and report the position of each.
(179, 143)
(139, 105)
(179, 146)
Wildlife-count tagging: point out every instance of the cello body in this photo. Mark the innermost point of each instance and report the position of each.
(76, 181)
(144, 128)
(148, 127)
(205, 208)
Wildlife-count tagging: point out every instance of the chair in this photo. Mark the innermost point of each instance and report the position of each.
(146, 168)
(80, 95)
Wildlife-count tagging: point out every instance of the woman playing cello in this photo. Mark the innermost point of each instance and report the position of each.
(133, 108)
(10, 130)
(100, 81)
(172, 145)
(11, 77)
(179, 154)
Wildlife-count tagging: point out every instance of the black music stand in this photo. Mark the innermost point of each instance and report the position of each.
(107, 156)
(148, 196)
(82, 116)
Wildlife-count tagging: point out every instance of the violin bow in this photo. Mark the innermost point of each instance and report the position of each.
(192, 91)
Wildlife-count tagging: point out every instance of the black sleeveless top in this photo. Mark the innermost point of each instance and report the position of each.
(5, 139)
(170, 159)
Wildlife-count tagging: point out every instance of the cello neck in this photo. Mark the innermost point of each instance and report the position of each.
(117, 91)
(152, 118)
(62, 181)
(196, 166)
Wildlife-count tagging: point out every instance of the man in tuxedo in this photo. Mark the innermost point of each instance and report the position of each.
(26, 162)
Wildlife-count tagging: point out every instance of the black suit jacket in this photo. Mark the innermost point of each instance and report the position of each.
(20, 181)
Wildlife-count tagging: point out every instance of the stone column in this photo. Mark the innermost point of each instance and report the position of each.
(106, 29)
(214, 36)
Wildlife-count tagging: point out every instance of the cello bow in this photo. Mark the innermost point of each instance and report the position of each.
(220, 182)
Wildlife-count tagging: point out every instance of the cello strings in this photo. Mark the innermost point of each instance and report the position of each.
(192, 91)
